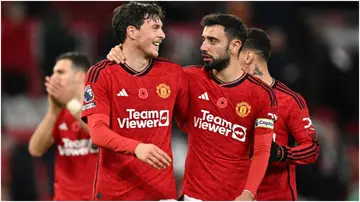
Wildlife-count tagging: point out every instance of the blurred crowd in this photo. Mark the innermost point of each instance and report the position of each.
(315, 52)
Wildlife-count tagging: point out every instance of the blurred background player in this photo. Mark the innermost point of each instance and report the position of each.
(129, 110)
(293, 124)
(75, 155)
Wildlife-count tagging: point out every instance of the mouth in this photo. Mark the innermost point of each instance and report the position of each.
(157, 44)
(207, 58)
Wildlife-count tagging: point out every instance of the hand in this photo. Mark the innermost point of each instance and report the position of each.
(277, 153)
(61, 94)
(245, 196)
(116, 54)
(54, 106)
(152, 155)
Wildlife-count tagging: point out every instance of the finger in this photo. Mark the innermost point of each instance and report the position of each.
(53, 87)
(118, 54)
(161, 159)
(150, 162)
(163, 154)
(47, 79)
(156, 161)
(51, 90)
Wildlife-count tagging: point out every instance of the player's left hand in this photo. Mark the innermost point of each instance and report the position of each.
(62, 94)
(245, 196)
(277, 153)
(116, 54)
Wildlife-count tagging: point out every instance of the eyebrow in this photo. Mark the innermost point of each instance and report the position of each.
(210, 38)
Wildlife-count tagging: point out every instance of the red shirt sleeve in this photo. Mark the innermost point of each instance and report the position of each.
(103, 136)
(182, 102)
(301, 128)
(263, 131)
(96, 92)
(96, 112)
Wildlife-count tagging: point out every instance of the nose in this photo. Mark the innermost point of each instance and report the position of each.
(162, 34)
(203, 47)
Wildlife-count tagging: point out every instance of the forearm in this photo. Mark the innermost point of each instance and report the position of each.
(259, 162)
(305, 153)
(104, 137)
(42, 138)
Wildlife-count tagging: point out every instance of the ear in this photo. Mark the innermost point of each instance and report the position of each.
(80, 76)
(131, 32)
(250, 56)
(235, 46)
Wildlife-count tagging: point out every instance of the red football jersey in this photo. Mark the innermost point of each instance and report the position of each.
(75, 160)
(140, 106)
(292, 124)
(223, 118)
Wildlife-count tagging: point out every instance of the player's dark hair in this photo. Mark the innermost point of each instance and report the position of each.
(133, 14)
(259, 41)
(79, 60)
(234, 27)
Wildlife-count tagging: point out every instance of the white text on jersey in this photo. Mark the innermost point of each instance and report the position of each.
(79, 147)
(145, 119)
(220, 126)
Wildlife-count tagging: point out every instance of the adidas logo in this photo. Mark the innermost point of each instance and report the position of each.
(63, 126)
(204, 96)
(122, 93)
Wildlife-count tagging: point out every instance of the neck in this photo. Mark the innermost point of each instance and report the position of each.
(230, 73)
(261, 71)
(134, 57)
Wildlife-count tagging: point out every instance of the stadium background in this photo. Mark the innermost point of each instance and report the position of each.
(315, 52)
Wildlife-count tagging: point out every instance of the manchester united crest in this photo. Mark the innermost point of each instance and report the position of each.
(243, 109)
(163, 90)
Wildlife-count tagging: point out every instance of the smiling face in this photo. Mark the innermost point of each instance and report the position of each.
(149, 36)
(215, 48)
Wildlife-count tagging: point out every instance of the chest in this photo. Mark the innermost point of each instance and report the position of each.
(154, 90)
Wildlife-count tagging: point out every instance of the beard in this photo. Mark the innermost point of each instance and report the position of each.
(220, 63)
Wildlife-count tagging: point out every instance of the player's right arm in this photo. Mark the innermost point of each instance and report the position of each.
(96, 112)
(42, 138)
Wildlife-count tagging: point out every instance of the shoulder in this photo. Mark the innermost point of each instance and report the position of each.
(169, 64)
(262, 88)
(100, 68)
(193, 69)
(294, 96)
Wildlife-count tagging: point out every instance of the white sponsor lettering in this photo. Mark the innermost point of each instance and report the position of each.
(79, 147)
(220, 126)
(264, 123)
(88, 106)
(145, 119)
(309, 122)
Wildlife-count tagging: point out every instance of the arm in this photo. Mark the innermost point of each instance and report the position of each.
(301, 128)
(42, 138)
(263, 131)
(182, 103)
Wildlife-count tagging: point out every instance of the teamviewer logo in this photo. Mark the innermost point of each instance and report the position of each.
(164, 118)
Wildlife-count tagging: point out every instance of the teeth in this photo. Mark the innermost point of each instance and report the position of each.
(156, 44)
